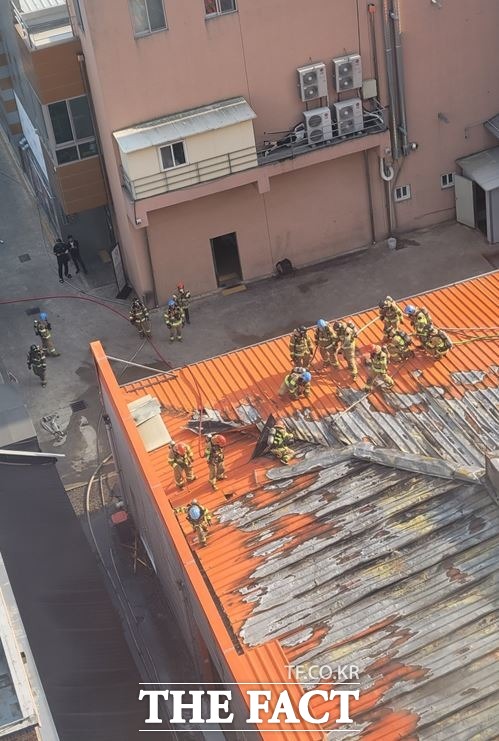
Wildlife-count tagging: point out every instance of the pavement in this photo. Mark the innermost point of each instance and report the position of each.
(84, 309)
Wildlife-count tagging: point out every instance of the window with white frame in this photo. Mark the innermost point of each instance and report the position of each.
(403, 193)
(72, 130)
(148, 16)
(219, 7)
(172, 155)
(447, 180)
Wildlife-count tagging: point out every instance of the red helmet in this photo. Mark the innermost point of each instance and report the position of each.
(180, 286)
(180, 448)
(219, 440)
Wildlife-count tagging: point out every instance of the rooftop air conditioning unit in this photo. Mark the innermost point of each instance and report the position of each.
(348, 116)
(312, 81)
(319, 125)
(347, 73)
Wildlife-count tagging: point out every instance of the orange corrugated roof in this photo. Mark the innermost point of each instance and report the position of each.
(251, 377)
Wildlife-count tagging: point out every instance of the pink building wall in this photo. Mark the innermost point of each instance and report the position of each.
(449, 52)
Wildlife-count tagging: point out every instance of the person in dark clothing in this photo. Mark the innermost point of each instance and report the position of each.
(74, 251)
(61, 251)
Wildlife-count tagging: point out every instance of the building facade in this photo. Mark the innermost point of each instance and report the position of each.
(239, 133)
(48, 117)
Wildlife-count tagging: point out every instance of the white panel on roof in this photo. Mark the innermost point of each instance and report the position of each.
(183, 124)
(32, 6)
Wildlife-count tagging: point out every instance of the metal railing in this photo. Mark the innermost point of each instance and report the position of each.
(290, 145)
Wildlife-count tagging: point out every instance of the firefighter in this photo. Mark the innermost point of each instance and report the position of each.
(420, 321)
(391, 314)
(279, 441)
(36, 361)
(300, 347)
(296, 383)
(174, 319)
(378, 368)
(347, 342)
(339, 329)
(398, 344)
(199, 517)
(139, 317)
(183, 299)
(43, 329)
(325, 341)
(437, 343)
(180, 460)
(215, 458)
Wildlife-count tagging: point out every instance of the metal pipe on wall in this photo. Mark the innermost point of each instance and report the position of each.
(370, 196)
(392, 86)
(399, 63)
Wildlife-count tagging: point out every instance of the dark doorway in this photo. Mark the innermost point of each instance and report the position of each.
(480, 208)
(226, 260)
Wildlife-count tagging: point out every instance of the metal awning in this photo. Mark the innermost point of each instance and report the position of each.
(492, 125)
(482, 168)
(186, 123)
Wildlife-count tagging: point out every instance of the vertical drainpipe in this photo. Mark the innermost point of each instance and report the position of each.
(399, 62)
(390, 71)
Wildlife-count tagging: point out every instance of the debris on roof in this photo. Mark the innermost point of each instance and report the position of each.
(379, 546)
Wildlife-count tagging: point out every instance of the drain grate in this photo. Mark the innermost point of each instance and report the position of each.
(33, 310)
(78, 406)
(24, 258)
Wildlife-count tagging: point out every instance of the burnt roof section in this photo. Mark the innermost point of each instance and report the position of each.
(86, 668)
(340, 559)
(393, 571)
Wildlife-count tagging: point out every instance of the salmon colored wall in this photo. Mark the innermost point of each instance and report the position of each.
(246, 53)
(450, 55)
(311, 216)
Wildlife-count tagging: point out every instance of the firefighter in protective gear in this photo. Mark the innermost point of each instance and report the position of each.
(43, 329)
(300, 347)
(347, 344)
(139, 317)
(174, 320)
(180, 460)
(183, 298)
(296, 383)
(279, 441)
(398, 344)
(215, 458)
(391, 314)
(437, 343)
(36, 361)
(420, 321)
(199, 517)
(339, 329)
(378, 368)
(325, 341)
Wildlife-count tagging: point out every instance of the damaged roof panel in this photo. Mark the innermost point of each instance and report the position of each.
(338, 559)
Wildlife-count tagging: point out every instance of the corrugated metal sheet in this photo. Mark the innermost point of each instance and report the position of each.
(482, 167)
(350, 561)
(33, 6)
(183, 124)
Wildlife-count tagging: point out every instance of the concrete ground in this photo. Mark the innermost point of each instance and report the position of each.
(84, 309)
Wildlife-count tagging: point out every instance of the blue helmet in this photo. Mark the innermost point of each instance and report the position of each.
(43, 316)
(306, 376)
(171, 303)
(322, 324)
(410, 310)
(195, 512)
